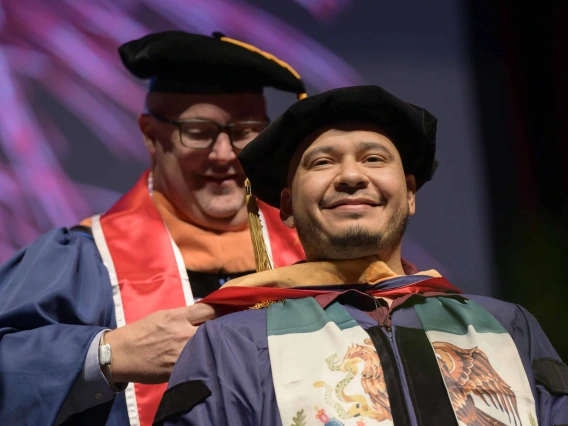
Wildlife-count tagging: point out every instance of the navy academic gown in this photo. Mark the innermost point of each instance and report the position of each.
(55, 296)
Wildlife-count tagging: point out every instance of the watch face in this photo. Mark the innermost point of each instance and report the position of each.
(105, 354)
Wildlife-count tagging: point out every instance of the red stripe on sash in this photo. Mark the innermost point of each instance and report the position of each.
(146, 269)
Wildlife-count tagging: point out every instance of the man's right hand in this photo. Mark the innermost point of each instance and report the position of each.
(146, 350)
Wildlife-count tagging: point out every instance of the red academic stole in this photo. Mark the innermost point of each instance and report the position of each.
(147, 272)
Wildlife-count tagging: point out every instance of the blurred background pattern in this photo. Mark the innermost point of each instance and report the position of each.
(493, 220)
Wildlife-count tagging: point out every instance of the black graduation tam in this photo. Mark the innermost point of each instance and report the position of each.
(412, 129)
(179, 62)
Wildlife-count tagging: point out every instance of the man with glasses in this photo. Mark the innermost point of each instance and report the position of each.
(86, 311)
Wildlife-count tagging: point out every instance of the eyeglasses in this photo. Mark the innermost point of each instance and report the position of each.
(203, 133)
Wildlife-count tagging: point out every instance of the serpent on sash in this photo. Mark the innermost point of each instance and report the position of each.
(360, 406)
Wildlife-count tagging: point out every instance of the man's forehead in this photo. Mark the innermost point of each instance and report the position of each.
(189, 104)
(361, 136)
(334, 136)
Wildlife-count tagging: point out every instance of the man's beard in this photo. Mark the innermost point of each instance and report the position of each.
(356, 241)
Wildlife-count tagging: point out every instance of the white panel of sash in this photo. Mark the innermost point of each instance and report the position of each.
(100, 241)
(187, 293)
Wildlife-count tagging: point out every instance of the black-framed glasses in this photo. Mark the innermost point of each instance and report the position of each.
(203, 133)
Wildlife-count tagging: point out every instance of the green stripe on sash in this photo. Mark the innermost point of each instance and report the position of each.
(305, 316)
(455, 316)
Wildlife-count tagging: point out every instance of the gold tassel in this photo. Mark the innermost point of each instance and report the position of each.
(261, 256)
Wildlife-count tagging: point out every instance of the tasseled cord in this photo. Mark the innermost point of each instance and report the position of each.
(261, 256)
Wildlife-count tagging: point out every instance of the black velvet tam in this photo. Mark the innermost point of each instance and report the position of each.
(179, 62)
(412, 130)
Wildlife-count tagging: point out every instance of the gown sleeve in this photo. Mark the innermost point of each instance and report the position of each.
(222, 377)
(550, 373)
(55, 297)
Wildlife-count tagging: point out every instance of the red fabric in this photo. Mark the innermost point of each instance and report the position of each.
(284, 242)
(146, 269)
(234, 299)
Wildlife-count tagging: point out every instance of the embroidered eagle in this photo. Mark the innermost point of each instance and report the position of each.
(468, 372)
(372, 379)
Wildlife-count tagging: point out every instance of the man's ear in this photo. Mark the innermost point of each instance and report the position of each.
(147, 130)
(411, 194)
(286, 211)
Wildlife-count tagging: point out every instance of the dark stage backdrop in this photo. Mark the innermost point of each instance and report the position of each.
(519, 57)
(68, 134)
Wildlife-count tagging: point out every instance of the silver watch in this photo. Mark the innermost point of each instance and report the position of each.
(105, 353)
(105, 360)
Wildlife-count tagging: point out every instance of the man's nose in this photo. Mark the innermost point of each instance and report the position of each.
(351, 176)
(222, 151)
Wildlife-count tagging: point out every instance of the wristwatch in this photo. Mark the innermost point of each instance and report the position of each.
(105, 360)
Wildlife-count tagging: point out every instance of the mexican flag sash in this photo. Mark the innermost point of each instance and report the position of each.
(318, 360)
(326, 369)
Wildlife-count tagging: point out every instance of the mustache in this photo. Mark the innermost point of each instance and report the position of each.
(328, 201)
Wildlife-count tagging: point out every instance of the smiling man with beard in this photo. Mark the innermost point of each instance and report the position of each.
(361, 213)
(355, 335)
